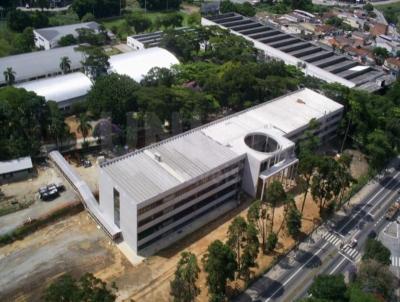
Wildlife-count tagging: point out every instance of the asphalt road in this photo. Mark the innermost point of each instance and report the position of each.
(327, 251)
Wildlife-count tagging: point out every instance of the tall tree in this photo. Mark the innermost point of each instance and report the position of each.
(58, 129)
(293, 220)
(9, 76)
(257, 215)
(84, 126)
(65, 65)
(95, 61)
(236, 236)
(374, 249)
(220, 265)
(250, 251)
(183, 287)
(274, 195)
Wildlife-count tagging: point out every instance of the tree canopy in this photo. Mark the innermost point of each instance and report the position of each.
(85, 289)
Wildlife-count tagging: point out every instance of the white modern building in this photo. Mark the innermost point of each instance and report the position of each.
(158, 194)
(65, 90)
(48, 37)
(15, 169)
(40, 64)
(136, 64)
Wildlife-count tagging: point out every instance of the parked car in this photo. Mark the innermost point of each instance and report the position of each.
(49, 192)
(86, 163)
(353, 243)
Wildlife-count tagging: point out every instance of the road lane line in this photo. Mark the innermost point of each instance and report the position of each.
(345, 256)
(296, 272)
(337, 266)
(326, 243)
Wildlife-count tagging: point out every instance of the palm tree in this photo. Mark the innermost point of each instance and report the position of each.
(84, 126)
(65, 65)
(9, 76)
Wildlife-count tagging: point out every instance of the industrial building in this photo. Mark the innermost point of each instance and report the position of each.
(40, 64)
(136, 64)
(158, 194)
(15, 169)
(65, 90)
(47, 38)
(315, 60)
(147, 40)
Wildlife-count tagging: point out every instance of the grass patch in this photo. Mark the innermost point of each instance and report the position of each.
(120, 27)
(390, 11)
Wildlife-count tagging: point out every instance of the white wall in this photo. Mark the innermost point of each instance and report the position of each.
(135, 44)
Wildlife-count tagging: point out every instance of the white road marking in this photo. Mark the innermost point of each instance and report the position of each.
(296, 272)
(347, 257)
(395, 261)
(319, 251)
(337, 266)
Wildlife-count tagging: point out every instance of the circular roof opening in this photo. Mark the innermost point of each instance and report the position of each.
(261, 142)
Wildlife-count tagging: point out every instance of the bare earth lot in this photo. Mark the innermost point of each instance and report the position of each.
(76, 245)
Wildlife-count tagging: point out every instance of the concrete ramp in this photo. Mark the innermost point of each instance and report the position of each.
(84, 192)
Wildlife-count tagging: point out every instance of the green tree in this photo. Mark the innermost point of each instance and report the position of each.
(257, 215)
(380, 54)
(250, 251)
(272, 240)
(236, 236)
(375, 250)
(67, 40)
(88, 17)
(139, 21)
(369, 7)
(329, 288)
(160, 4)
(99, 8)
(356, 294)
(274, 195)
(169, 20)
(23, 120)
(95, 61)
(87, 288)
(24, 42)
(58, 129)
(65, 65)
(9, 76)
(84, 126)
(293, 220)
(220, 265)
(379, 148)
(375, 278)
(39, 20)
(113, 94)
(183, 287)
(18, 20)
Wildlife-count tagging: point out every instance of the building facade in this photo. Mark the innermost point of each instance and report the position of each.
(161, 193)
(15, 169)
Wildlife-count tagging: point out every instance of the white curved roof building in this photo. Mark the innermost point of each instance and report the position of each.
(136, 64)
(65, 89)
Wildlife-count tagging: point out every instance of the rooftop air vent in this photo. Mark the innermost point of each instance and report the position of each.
(157, 156)
(300, 101)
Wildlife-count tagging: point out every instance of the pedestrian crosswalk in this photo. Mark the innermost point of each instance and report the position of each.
(344, 249)
(395, 261)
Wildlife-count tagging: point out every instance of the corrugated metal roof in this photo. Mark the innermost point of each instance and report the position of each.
(39, 63)
(60, 88)
(203, 149)
(183, 158)
(136, 64)
(14, 165)
(56, 32)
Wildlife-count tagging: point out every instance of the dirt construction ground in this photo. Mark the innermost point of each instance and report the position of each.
(76, 245)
